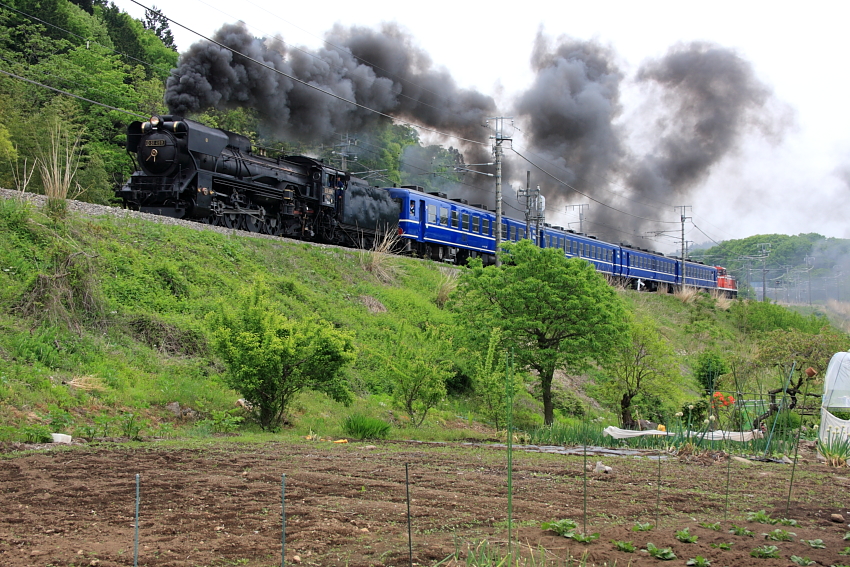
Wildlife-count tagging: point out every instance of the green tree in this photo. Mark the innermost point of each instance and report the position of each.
(556, 313)
(488, 381)
(270, 358)
(417, 371)
(158, 23)
(644, 368)
(709, 366)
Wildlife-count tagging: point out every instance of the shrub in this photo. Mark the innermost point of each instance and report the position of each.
(361, 426)
(786, 420)
(36, 433)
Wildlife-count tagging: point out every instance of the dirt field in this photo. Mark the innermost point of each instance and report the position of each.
(345, 505)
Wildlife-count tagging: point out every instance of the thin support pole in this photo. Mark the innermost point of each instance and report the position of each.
(509, 401)
(136, 540)
(658, 493)
(728, 477)
(796, 450)
(282, 520)
(409, 530)
(584, 505)
(779, 410)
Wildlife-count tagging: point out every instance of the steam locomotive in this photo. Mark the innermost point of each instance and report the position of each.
(188, 170)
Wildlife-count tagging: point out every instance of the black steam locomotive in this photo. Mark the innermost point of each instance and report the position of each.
(188, 170)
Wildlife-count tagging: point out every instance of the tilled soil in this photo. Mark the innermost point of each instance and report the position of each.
(219, 504)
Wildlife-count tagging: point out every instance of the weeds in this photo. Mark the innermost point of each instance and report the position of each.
(361, 426)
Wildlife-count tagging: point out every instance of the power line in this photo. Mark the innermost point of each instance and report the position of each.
(72, 94)
(565, 184)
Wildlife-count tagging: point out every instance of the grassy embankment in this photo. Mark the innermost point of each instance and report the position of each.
(102, 324)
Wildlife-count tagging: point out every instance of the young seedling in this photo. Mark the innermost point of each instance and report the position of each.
(685, 536)
(802, 560)
(722, 545)
(741, 531)
(787, 522)
(565, 527)
(626, 546)
(815, 543)
(779, 535)
(664, 553)
(847, 536)
(845, 551)
(766, 552)
(715, 526)
(639, 527)
(761, 517)
(584, 538)
(699, 561)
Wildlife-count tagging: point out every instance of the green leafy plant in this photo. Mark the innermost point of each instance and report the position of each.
(815, 543)
(625, 546)
(847, 536)
(223, 421)
(104, 423)
(663, 553)
(59, 419)
(787, 522)
(36, 433)
(361, 426)
(131, 426)
(741, 531)
(765, 552)
(699, 561)
(685, 536)
(640, 527)
(845, 551)
(804, 561)
(585, 538)
(715, 526)
(761, 517)
(835, 447)
(722, 545)
(87, 432)
(779, 535)
(565, 527)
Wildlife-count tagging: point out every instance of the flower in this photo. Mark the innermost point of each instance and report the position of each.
(815, 427)
(691, 407)
(679, 414)
(711, 417)
(705, 422)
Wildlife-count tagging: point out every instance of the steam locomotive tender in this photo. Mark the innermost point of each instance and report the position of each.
(188, 170)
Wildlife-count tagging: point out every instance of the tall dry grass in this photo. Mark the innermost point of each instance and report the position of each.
(720, 300)
(21, 176)
(58, 164)
(446, 285)
(686, 294)
(380, 260)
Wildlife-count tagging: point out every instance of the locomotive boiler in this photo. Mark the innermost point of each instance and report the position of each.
(187, 170)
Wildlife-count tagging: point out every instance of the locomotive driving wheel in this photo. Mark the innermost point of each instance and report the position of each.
(231, 220)
(253, 223)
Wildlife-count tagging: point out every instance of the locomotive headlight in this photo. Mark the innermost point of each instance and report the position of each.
(146, 127)
(155, 121)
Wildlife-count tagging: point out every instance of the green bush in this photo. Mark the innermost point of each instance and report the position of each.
(36, 433)
(361, 426)
(786, 420)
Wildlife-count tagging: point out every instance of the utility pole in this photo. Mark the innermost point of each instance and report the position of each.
(684, 218)
(581, 207)
(764, 253)
(534, 207)
(343, 150)
(499, 137)
(810, 259)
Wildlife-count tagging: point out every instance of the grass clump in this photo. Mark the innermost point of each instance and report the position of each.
(361, 426)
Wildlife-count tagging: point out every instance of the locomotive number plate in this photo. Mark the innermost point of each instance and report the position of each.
(152, 143)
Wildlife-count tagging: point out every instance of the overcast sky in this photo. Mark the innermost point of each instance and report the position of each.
(794, 180)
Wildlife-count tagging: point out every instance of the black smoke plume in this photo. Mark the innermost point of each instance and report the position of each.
(568, 112)
(710, 98)
(382, 70)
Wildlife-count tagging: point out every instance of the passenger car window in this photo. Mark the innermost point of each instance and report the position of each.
(454, 219)
(465, 221)
(413, 207)
(476, 225)
(432, 214)
(444, 216)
